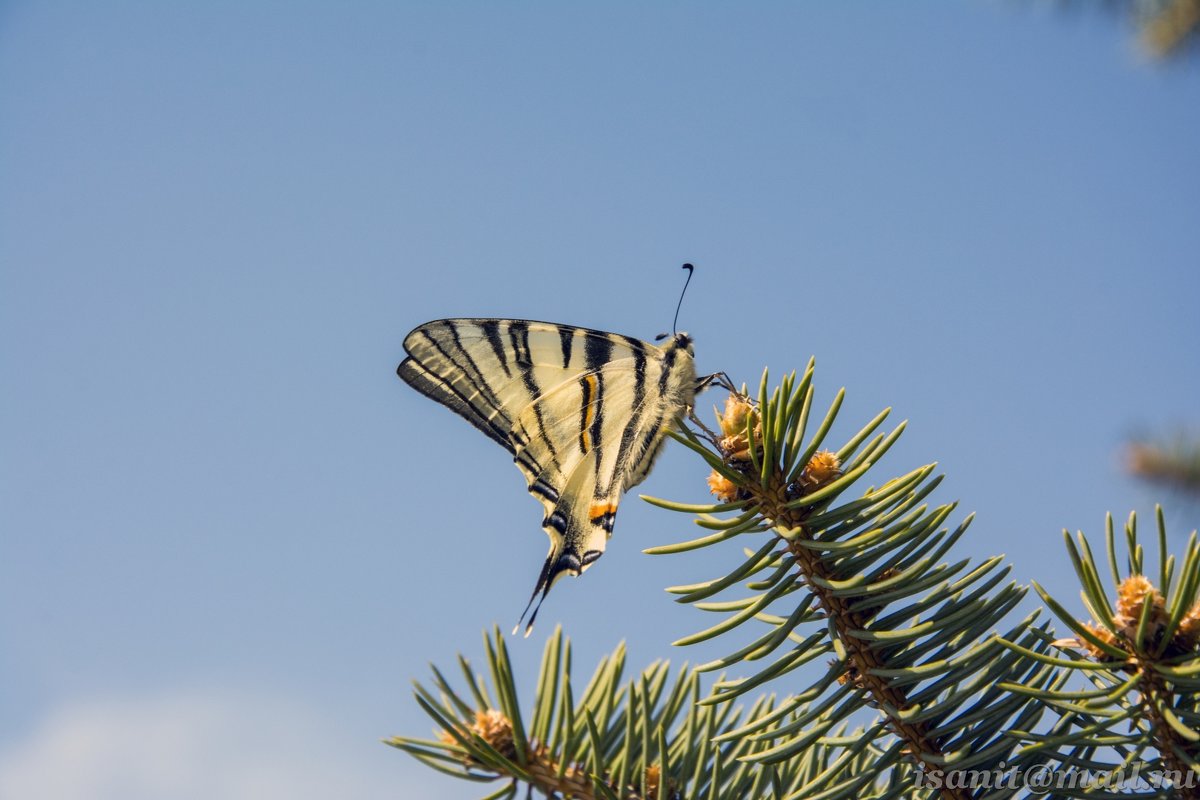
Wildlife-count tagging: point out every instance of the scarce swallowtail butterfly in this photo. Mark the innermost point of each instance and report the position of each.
(583, 413)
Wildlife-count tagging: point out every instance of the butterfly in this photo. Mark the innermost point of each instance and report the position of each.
(583, 413)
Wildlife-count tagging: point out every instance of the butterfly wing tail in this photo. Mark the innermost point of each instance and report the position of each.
(567, 556)
(542, 588)
(578, 526)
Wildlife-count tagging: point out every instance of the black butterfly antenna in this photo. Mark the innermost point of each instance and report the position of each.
(675, 322)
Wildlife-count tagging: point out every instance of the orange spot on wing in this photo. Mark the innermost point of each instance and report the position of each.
(600, 509)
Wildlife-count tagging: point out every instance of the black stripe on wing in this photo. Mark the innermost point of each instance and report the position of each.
(436, 388)
(631, 428)
(518, 330)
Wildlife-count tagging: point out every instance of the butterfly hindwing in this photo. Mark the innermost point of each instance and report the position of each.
(583, 413)
(604, 426)
(555, 431)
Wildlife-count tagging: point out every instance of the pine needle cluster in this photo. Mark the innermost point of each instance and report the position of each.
(908, 671)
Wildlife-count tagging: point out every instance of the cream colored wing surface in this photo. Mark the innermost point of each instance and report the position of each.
(583, 413)
(487, 370)
(583, 443)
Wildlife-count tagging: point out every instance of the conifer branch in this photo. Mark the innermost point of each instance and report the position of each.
(928, 668)
(910, 635)
(1141, 652)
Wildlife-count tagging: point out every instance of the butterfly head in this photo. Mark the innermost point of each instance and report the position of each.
(676, 341)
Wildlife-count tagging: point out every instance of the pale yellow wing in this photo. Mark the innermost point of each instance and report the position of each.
(582, 444)
(583, 412)
(488, 370)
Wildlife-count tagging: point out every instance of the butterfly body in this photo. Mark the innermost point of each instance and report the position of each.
(583, 413)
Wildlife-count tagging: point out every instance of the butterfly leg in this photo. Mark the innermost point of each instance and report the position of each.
(708, 434)
(718, 379)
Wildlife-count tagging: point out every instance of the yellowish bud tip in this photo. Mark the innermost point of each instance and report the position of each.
(823, 468)
(725, 490)
(739, 415)
(1134, 592)
(494, 728)
(1103, 634)
(733, 420)
(1187, 635)
(491, 726)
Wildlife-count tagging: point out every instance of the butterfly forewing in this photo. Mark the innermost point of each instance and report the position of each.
(583, 413)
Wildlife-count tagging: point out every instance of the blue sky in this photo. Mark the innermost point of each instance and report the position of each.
(231, 536)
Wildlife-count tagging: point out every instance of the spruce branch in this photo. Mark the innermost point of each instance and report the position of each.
(1140, 653)
(912, 636)
(1166, 29)
(907, 676)
(1173, 463)
(645, 738)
